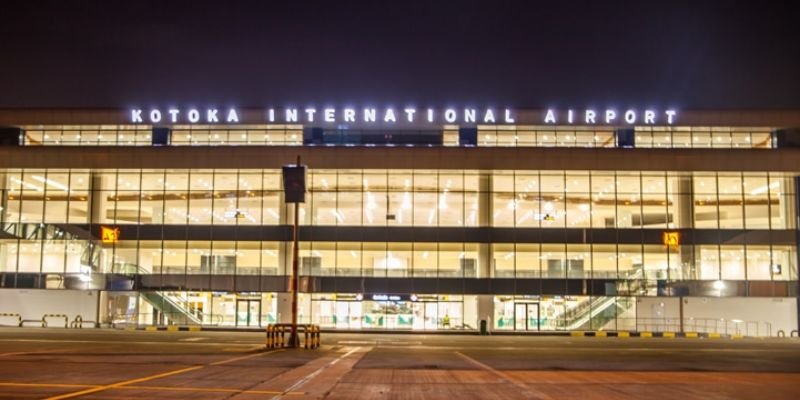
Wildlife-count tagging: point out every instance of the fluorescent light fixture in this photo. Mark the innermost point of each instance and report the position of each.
(764, 189)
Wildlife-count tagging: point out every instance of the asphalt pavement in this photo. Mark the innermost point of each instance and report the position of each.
(117, 364)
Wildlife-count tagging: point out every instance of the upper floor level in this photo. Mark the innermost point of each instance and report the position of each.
(402, 126)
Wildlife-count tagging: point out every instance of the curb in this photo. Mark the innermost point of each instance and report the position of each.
(667, 335)
(598, 334)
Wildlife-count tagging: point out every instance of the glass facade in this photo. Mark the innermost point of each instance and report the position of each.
(408, 249)
(488, 136)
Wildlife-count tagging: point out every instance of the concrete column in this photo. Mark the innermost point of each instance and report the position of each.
(485, 212)
(284, 258)
(284, 308)
(98, 200)
(486, 310)
(684, 218)
(787, 211)
(103, 313)
(3, 197)
(3, 210)
(98, 203)
(684, 202)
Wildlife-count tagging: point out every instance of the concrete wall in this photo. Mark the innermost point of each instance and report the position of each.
(758, 315)
(33, 303)
(781, 313)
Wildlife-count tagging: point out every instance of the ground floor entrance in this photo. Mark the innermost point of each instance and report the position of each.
(526, 317)
(248, 312)
(442, 312)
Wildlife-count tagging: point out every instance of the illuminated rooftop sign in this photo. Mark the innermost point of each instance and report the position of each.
(404, 115)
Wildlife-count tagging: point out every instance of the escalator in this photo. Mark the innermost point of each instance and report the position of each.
(175, 313)
(594, 314)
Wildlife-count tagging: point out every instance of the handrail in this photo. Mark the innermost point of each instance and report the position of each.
(17, 315)
(703, 325)
(78, 322)
(44, 319)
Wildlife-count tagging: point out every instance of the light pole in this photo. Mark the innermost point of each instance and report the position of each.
(294, 186)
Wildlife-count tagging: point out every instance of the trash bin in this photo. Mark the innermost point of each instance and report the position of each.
(484, 330)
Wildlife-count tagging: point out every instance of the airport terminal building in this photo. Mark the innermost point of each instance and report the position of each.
(415, 219)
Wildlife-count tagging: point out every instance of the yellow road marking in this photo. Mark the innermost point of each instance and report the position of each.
(646, 334)
(151, 328)
(150, 378)
(714, 335)
(124, 383)
(504, 376)
(160, 388)
(215, 390)
(692, 335)
(55, 385)
(576, 334)
(623, 334)
(601, 334)
(23, 353)
(670, 335)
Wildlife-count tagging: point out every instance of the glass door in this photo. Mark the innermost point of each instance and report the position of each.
(520, 317)
(248, 312)
(526, 316)
(533, 317)
(431, 316)
(342, 316)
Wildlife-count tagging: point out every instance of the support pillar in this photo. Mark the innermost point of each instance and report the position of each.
(97, 210)
(788, 214)
(485, 256)
(796, 203)
(486, 310)
(3, 197)
(3, 210)
(684, 219)
(98, 200)
(284, 246)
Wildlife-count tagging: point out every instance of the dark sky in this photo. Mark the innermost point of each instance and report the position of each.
(433, 53)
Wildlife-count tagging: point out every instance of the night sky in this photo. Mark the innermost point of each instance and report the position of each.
(487, 53)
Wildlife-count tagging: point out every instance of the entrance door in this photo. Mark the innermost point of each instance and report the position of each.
(526, 316)
(248, 312)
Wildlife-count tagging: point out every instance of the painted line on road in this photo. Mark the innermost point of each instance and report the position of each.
(209, 389)
(158, 388)
(192, 339)
(310, 376)
(40, 352)
(46, 385)
(358, 342)
(526, 390)
(166, 343)
(152, 377)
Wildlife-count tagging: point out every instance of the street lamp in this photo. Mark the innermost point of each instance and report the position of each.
(294, 191)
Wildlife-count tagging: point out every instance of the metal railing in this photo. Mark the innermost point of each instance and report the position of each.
(13, 315)
(701, 325)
